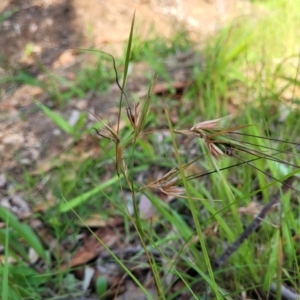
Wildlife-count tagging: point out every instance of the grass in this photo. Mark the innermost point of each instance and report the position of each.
(185, 241)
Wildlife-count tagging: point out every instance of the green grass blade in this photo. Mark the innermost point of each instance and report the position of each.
(145, 108)
(7, 14)
(117, 260)
(101, 285)
(71, 204)
(6, 265)
(200, 234)
(126, 66)
(15, 248)
(128, 53)
(273, 260)
(25, 232)
(57, 119)
(25, 78)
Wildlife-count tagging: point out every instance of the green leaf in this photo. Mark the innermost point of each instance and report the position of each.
(26, 276)
(64, 207)
(145, 108)
(23, 77)
(80, 123)
(5, 272)
(101, 285)
(128, 52)
(291, 80)
(272, 264)
(14, 247)
(7, 14)
(23, 282)
(57, 119)
(24, 231)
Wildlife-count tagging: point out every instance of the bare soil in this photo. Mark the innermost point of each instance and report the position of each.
(38, 35)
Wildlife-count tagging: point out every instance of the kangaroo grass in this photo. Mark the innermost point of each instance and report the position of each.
(137, 118)
(219, 144)
(226, 146)
(193, 239)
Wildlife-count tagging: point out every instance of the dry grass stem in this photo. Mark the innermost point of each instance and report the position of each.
(110, 133)
(168, 180)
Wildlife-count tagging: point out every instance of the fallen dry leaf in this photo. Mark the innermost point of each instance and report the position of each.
(97, 220)
(92, 247)
(67, 58)
(252, 209)
(57, 160)
(146, 208)
(162, 88)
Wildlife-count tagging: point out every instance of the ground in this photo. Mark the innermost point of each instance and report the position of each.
(41, 33)
(42, 39)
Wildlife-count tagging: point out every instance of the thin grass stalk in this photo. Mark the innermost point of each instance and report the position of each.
(262, 180)
(252, 227)
(232, 205)
(6, 264)
(279, 266)
(191, 177)
(173, 267)
(216, 215)
(288, 236)
(193, 211)
(126, 66)
(137, 224)
(114, 67)
(136, 220)
(232, 200)
(115, 258)
(268, 175)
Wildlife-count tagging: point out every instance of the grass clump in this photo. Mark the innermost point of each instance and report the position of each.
(222, 193)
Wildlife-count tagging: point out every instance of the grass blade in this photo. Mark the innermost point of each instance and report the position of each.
(6, 265)
(252, 227)
(126, 67)
(25, 232)
(15, 248)
(200, 234)
(56, 118)
(128, 53)
(71, 204)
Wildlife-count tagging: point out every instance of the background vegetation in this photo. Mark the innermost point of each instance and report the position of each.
(166, 206)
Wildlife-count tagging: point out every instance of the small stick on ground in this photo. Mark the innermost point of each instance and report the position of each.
(253, 226)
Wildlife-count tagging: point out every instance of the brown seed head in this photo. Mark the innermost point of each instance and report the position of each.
(213, 149)
(208, 125)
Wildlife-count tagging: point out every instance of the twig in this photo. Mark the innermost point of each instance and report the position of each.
(285, 292)
(253, 226)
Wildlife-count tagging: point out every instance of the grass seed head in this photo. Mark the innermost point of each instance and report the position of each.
(207, 125)
(214, 149)
(207, 130)
(135, 116)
